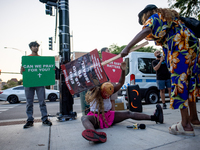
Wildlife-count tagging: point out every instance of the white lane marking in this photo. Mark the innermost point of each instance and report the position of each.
(4, 108)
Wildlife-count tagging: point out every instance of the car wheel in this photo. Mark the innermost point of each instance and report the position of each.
(52, 97)
(13, 99)
(152, 97)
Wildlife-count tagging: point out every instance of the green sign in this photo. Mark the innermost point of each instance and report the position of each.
(39, 71)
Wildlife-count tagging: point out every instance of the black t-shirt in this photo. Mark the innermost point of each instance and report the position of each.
(162, 73)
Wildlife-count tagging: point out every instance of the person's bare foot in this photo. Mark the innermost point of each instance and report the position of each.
(195, 122)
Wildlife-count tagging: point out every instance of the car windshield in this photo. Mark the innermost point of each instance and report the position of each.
(19, 88)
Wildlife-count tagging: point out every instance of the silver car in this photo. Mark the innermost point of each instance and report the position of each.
(16, 94)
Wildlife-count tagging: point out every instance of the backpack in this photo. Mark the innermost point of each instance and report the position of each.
(193, 24)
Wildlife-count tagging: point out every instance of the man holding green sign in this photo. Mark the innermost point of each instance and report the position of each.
(37, 72)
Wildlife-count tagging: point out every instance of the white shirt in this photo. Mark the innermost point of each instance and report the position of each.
(107, 105)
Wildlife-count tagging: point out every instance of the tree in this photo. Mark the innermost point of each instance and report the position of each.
(10, 83)
(20, 82)
(114, 49)
(188, 8)
(117, 49)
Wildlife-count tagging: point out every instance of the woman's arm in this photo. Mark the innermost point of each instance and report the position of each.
(122, 78)
(139, 37)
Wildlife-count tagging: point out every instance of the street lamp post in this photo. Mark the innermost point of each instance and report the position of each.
(16, 49)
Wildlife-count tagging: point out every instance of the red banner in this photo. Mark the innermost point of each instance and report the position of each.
(112, 69)
(84, 73)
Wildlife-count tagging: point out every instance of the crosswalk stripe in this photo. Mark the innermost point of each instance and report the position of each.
(4, 108)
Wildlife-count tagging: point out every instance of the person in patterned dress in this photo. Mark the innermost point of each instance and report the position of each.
(181, 52)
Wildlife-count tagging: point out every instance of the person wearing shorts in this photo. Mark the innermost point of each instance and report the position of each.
(163, 76)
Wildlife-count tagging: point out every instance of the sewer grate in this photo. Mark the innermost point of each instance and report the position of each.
(17, 122)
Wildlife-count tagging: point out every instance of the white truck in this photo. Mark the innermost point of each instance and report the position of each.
(140, 71)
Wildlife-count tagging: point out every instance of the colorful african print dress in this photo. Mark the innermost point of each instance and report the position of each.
(181, 52)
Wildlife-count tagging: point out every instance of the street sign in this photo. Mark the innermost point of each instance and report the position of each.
(39, 71)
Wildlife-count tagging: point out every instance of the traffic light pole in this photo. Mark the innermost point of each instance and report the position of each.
(66, 99)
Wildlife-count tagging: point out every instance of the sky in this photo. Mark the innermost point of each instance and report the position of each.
(94, 24)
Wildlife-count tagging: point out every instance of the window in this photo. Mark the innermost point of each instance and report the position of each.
(145, 65)
(127, 66)
(56, 85)
(19, 88)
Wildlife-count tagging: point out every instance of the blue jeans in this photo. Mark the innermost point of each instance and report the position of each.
(30, 92)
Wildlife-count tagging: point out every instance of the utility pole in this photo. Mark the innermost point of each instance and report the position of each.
(66, 99)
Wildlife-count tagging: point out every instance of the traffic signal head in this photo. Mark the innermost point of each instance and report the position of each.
(48, 10)
(50, 43)
(45, 1)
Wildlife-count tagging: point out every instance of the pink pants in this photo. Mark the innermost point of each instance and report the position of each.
(109, 116)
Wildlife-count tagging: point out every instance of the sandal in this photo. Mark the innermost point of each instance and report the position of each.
(195, 126)
(180, 130)
(92, 135)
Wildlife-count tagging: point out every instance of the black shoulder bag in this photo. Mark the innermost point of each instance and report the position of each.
(193, 24)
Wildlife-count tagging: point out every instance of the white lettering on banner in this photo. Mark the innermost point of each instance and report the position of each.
(84, 72)
(79, 73)
(48, 66)
(67, 79)
(28, 66)
(117, 63)
(71, 77)
(95, 66)
(32, 70)
(37, 66)
(75, 74)
(113, 66)
(43, 69)
(74, 70)
(98, 65)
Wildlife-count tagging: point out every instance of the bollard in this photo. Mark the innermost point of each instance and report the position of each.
(84, 106)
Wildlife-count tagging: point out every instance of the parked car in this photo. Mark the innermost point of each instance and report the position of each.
(16, 94)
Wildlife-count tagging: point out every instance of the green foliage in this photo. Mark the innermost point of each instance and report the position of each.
(5, 87)
(20, 82)
(117, 49)
(10, 84)
(47, 87)
(188, 8)
(114, 49)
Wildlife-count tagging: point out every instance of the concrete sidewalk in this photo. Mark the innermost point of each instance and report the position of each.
(67, 135)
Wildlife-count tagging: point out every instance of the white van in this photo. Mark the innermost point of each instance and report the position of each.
(140, 71)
